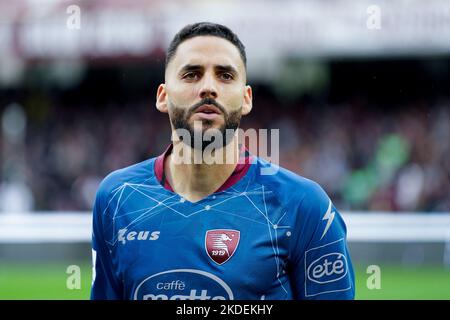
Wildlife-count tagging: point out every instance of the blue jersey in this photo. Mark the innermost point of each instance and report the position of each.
(271, 237)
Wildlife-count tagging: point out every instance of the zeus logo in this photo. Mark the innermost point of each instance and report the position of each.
(329, 215)
(123, 236)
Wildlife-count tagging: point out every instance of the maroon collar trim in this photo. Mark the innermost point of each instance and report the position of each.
(241, 169)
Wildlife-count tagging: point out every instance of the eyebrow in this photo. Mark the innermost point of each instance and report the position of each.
(227, 68)
(196, 67)
(191, 67)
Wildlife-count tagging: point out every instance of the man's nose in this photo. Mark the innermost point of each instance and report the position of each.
(208, 89)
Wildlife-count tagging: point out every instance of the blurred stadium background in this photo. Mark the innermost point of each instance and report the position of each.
(360, 91)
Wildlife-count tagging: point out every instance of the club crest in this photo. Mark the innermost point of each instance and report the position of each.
(221, 244)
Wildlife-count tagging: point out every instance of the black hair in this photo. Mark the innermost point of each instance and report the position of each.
(205, 29)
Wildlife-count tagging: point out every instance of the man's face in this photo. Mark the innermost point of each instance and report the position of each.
(205, 82)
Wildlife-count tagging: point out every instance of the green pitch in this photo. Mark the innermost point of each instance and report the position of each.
(37, 281)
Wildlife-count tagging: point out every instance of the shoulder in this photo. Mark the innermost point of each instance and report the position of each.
(138, 173)
(290, 188)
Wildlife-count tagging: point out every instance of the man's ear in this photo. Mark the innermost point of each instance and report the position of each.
(161, 98)
(248, 101)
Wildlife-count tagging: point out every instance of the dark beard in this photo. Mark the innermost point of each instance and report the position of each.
(179, 118)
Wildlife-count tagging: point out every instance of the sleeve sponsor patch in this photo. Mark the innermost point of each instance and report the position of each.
(327, 269)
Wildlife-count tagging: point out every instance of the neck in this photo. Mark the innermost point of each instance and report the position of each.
(194, 175)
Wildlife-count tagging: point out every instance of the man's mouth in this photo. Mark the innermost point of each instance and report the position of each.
(208, 109)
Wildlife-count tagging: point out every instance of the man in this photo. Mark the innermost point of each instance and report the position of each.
(175, 228)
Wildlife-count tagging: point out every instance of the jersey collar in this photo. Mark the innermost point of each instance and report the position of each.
(245, 159)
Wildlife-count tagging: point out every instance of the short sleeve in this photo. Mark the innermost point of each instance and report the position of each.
(320, 266)
(105, 284)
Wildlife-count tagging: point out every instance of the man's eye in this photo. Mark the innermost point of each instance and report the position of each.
(191, 76)
(226, 76)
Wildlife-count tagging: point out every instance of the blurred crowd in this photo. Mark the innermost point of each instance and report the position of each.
(364, 156)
